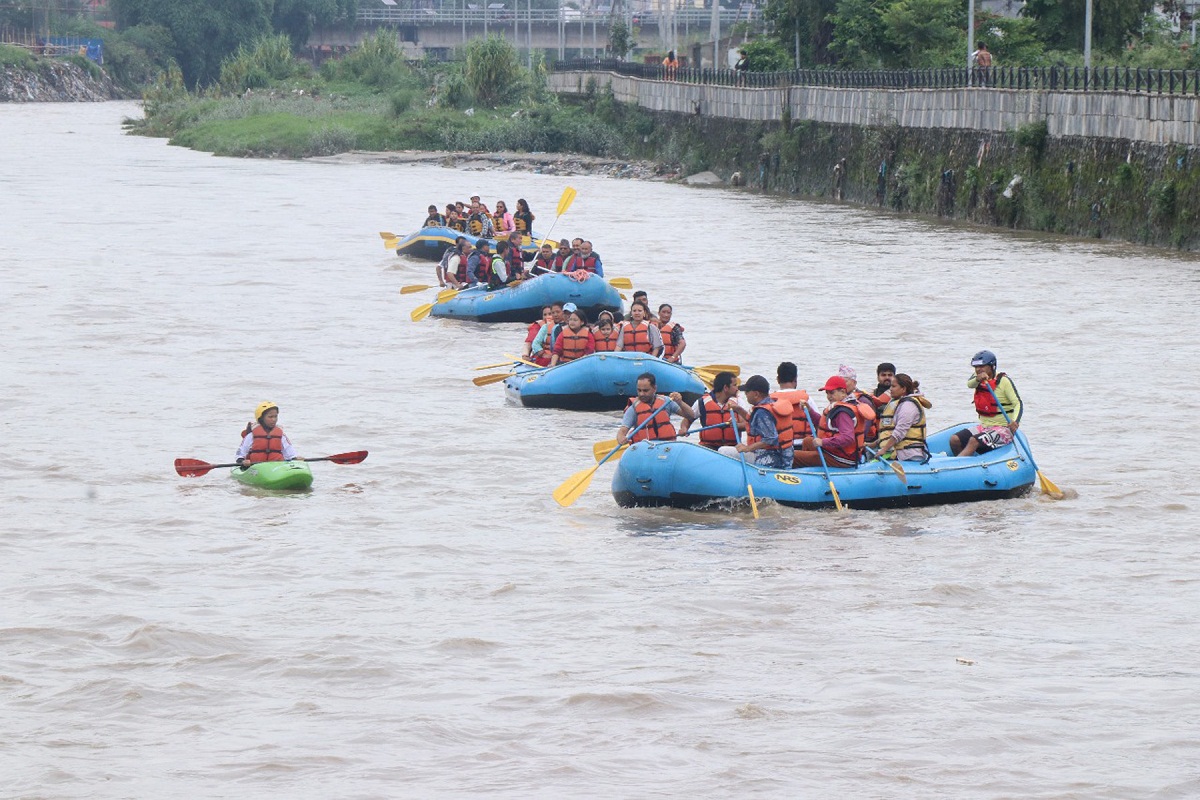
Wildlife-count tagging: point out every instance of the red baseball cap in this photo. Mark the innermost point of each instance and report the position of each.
(835, 382)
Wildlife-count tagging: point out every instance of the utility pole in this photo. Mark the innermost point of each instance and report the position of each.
(971, 40)
(715, 24)
(1087, 36)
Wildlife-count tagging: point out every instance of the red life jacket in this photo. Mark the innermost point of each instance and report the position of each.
(267, 445)
(637, 338)
(846, 456)
(712, 414)
(545, 264)
(781, 410)
(799, 400)
(606, 344)
(574, 345)
(659, 427)
(985, 404)
(560, 260)
(514, 262)
(668, 338)
(587, 262)
(461, 274)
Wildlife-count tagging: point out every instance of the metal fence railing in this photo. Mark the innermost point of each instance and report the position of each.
(1072, 79)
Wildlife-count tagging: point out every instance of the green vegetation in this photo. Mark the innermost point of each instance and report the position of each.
(900, 34)
(12, 56)
(266, 103)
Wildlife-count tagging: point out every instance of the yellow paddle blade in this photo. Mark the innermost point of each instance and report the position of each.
(387, 235)
(620, 283)
(602, 449)
(493, 366)
(564, 202)
(421, 312)
(573, 487)
(715, 368)
(1049, 489)
(837, 501)
(447, 294)
(753, 502)
(414, 289)
(623, 295)
(487, 380)
(391, 244)
(523, 361)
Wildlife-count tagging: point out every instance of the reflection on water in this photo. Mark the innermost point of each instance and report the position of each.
(431, 619)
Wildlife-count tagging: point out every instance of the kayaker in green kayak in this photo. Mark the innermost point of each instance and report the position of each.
(265, 441)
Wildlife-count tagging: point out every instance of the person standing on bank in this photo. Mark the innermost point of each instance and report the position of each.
(993, 430)
(265, 441)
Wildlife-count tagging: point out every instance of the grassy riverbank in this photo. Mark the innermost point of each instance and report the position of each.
(269, 105)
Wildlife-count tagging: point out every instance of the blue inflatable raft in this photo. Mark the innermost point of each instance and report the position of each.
(599, 382)
(682, 474)
(524, 302)
(431, 243)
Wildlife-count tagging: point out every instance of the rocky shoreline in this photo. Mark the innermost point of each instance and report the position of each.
(566, 164)
(53, 81)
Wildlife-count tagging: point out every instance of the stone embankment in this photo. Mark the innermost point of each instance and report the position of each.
(566, 164)
(52, 81)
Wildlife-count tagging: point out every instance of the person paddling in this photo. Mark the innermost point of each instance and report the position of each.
(650, 405)
(837, 431)
(768, 425)
(451, 265)
(434, 219)
(787, 375)
(714, 409)
(993, 431)
(265, 441)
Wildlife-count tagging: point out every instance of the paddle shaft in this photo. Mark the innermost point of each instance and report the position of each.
(1047, 485)
(745, 469)
(837, 501)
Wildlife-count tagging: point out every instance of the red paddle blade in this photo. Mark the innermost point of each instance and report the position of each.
(356, 457)
(191, 467)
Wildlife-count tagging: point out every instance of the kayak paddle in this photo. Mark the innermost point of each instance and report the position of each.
(573, 487)
(194, 468)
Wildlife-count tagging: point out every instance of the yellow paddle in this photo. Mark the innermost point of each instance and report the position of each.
(422, 311)
(414, 289)
(522, 360)
(493, 366)
(896, 468)
(385, 235)
(1047, 486)
(620, 283)
(564, 202)
(573, 487)
(600, 448)
(391, 244)
(487, 380)
(745, 470)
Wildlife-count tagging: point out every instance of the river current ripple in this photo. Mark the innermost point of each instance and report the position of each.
(430, 624)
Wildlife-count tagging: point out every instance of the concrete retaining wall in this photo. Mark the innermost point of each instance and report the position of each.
(1154, 118)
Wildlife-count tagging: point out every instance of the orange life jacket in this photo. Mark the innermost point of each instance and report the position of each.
(606, 344)
(711, 413)
(867, 423)
(799, 399)
(781, 410)
(574, 345)
(637, 338)
(668, 339)
(267, 445)
(848, 456)
(659, 427)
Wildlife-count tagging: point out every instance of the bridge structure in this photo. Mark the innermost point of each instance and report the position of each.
(430, 28)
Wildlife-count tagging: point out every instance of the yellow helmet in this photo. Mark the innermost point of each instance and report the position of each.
(264, 408)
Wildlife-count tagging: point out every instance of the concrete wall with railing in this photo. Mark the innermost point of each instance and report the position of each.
(1112, 115)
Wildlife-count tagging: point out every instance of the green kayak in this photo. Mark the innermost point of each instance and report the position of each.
(276, 475)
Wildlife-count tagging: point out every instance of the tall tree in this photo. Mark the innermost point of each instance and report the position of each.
(297, 18)
(204, 31)
(1114, 22)
(924, 33)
